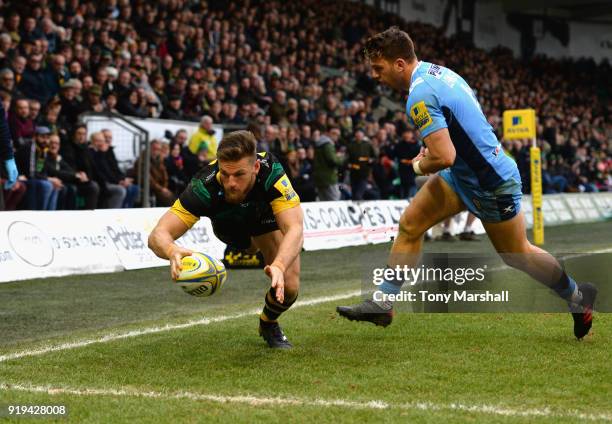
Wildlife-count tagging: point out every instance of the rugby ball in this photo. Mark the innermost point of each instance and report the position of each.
(202, 275)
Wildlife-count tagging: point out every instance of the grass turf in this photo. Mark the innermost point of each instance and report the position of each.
(517, 361)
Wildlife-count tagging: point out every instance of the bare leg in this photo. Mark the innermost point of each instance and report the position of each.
(433, 203)
(510, 241)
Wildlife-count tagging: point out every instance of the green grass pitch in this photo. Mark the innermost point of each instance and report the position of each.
(495, 367)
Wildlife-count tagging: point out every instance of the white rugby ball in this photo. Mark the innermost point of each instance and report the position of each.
(202, 275)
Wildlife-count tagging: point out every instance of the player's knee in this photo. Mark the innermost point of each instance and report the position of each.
(409, 227)
(519, 257)
(512, 259)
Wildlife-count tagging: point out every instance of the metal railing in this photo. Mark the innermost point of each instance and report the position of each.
(131, 140)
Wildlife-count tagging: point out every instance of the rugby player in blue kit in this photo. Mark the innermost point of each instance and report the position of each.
(473, 173)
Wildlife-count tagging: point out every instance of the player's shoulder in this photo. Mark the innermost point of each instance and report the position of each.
(270, 169)
(431, 78)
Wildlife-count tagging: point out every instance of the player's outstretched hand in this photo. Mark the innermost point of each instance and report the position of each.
(175, 255)
(278, 281)
(421, 154)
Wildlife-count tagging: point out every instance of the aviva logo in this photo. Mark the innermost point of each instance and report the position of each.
(519, 123)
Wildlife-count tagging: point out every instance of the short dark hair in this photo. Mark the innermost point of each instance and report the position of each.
(237, 145)
(390, 44)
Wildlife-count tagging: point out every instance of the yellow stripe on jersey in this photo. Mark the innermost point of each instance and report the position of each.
(288, 199)
(183, 214)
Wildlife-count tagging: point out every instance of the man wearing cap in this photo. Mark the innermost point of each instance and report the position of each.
(93, 102)
(42, 190)
(71, 106)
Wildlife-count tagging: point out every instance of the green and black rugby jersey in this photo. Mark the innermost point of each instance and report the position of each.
(204, 195)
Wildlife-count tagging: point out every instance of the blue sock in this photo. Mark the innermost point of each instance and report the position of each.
(392, 286)
(567, 289)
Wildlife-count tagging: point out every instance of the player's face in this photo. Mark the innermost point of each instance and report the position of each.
(388, 73)
(237, 178)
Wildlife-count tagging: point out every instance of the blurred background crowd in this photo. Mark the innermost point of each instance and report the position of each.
(291, 72)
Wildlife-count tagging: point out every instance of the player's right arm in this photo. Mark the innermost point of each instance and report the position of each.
(162, 241)
(183, 215)
(425, 111)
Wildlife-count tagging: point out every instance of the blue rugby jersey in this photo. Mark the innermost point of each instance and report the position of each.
(439, 98)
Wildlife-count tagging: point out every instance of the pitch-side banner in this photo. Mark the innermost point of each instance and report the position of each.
(329, 225)
(380, 220)
(129, 229)
(47, 244)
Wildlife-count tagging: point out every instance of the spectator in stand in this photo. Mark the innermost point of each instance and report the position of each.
(7, 82)
(18, 65)
(191, 163)
(33, 84)
(299, 170)
(113, 193)
(75, 153)
(21, 125)
(407, 148)
(175, 165)
(158, 176)
(281, 80)
(51, 118)
(278, 108)
(173, 110)
(55, 74)
(132, 104)
(132, 190)
(57, 167)
(93, 101)
(72, 106)
(34, 108)
(360, 157)
(43, 190)
(204, 137)
(326, 164)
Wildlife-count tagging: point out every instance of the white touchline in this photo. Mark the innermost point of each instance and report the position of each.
(206, 321)
(298, 401)
(169, 327)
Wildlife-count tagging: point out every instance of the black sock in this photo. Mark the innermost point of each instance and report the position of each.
(273, 308)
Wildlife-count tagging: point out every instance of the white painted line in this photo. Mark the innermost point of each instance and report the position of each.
(206, 321)
(252, 400)
(169, 327)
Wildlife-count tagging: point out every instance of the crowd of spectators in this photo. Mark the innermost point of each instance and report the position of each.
(291, 72)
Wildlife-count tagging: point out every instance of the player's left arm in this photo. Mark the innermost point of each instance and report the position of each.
(440, 153)
(291, 224)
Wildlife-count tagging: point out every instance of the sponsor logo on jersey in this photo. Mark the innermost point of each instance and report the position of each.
(283, 185)
(210, 176)
(420, 115)
(435, 70)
